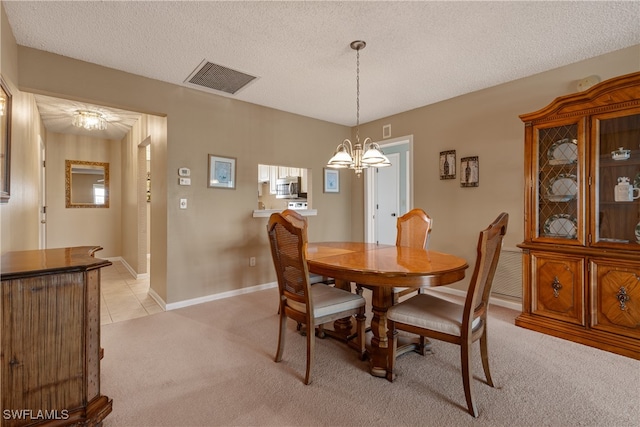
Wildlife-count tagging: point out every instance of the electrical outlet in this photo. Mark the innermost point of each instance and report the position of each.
(183, 203)
(252, 261)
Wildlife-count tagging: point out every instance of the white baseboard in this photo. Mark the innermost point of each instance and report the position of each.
(213, 297)
(153, 294)
(514, 305)
(126, 265)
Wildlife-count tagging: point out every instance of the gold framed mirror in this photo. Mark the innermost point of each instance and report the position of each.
(86, 184)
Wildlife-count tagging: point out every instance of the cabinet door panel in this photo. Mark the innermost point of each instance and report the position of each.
(42, 335)
(615, 295)
(615, 219)
(558, 181)
(557, 287)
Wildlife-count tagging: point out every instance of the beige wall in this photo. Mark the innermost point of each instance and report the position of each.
(19, 218)
(83, 226)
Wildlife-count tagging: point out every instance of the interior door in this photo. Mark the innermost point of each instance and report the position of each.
(388, 192)
(387, 197)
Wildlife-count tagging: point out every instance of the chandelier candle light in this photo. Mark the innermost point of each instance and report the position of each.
(90, 120)
(358, 156)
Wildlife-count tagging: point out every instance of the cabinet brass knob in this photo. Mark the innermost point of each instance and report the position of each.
(623, 298)
(556, 285)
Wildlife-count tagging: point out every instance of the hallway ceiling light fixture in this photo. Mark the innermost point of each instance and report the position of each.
(358, 156)
(90, 120)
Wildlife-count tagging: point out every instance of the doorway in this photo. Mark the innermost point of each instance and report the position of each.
(389, 191)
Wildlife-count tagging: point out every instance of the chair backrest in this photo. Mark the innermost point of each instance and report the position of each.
(288, 248)
(414, 228)
(295, 218)
(488, 254)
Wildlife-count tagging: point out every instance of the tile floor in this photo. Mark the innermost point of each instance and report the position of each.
(122, 297)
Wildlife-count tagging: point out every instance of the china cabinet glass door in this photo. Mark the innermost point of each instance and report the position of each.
(617, 191)
(559, 193)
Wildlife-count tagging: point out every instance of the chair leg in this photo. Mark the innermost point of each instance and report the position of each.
(392, 345)
(311, 341)
(484, 352)
(465, 359)
(281, 335)
(362, 339)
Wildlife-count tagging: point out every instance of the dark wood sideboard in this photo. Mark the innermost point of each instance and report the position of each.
(50, 338)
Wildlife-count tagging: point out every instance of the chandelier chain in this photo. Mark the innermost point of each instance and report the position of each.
(358, 96)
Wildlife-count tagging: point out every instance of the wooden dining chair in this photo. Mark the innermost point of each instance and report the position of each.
(301, 302)
(462, 324)
(413, 230)
(300, 221)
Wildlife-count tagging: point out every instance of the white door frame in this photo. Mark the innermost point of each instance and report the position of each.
(369, 190)
(42, 198)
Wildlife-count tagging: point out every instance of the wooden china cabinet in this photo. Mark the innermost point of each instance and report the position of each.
(581, 253)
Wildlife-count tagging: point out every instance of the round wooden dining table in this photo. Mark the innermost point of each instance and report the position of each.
(381, 268)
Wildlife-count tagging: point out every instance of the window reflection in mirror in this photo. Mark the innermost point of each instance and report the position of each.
(86, 184)
(273, 196)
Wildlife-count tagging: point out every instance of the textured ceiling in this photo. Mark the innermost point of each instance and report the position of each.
(417, 53)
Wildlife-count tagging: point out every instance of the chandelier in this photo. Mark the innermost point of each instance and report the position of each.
(358, 156)
(90, 120)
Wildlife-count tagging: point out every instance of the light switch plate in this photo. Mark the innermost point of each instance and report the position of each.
(183, 203)
(184, 181)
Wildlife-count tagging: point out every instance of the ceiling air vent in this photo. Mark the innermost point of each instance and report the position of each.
(217, 77)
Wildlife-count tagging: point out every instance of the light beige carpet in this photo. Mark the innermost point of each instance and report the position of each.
(212, 365)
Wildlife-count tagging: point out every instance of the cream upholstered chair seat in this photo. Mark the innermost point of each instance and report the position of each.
(429, 312)
(328, 300)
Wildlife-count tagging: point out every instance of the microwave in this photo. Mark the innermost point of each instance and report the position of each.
(288, 188)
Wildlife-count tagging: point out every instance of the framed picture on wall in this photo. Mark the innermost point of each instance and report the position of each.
(5, 140)
(331, 180)
(448, 164)
(469, 172)
(222, 172)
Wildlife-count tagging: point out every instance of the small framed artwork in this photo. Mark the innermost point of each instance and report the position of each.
(331, 180)
(469, 172)
(222, 172)
(448, 164)
(5, 141)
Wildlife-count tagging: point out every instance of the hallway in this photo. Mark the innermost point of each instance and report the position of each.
(122, 297)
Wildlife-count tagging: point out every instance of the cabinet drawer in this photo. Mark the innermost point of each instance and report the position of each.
(615, 297)
(557, 287)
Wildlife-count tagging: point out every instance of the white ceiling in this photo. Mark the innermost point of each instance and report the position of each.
(417, 53)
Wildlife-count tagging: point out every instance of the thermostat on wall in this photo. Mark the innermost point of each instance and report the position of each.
(184, 172)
